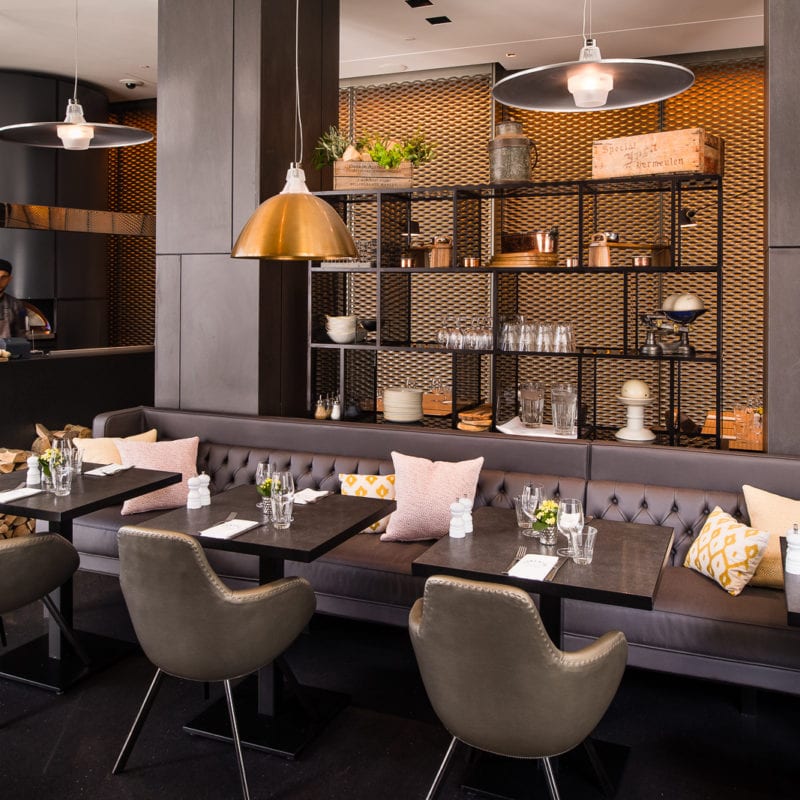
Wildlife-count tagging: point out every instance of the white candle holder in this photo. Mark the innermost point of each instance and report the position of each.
(634, 430)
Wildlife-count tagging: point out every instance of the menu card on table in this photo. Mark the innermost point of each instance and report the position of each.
(534, 567)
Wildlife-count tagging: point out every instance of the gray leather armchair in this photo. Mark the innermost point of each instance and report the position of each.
(192, 626)
(496, 680)
(30, 568)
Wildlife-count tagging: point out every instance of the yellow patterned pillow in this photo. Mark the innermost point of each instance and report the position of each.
(380, 486)
(727, 551)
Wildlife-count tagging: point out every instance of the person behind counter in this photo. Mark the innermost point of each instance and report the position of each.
(12, 312)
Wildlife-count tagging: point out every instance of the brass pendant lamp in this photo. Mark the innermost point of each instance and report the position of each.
(593, 83)
(74, 132)
(295, 225)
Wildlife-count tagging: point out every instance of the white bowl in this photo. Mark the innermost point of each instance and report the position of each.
(347, 337)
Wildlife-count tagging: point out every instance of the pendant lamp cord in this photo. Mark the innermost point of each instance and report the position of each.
(75, 87)
(298, 119)
(585, 3)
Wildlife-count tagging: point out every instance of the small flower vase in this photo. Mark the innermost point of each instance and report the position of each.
(548, 535)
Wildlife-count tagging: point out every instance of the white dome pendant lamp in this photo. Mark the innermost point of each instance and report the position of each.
(295, 225)
(593, 83)
(74, 133)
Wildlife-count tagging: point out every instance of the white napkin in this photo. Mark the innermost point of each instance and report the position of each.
(533, 567)
(106, 469)
(229, 529)
(305, 496)
(17, 494)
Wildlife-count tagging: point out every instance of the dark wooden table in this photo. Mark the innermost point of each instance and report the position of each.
(48, 661)
(269, 717)
(625, 571)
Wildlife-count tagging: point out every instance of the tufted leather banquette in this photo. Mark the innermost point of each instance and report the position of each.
(695, 629)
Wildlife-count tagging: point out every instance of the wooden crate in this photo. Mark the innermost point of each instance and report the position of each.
(369, 175)
(687, 150)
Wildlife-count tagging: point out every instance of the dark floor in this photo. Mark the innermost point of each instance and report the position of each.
(687, 738)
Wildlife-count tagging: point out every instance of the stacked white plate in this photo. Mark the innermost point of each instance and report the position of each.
(402, 404)
(342, 330)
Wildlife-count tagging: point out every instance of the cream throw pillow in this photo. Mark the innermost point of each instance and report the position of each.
(380, 486)
(424, 491)
(177, 455)
(104, 449)
(776, 514)
(727, 551)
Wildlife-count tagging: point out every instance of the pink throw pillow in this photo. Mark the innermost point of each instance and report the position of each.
(424, 491)
(178, 455)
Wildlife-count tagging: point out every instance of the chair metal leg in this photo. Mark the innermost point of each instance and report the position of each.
(236, 741)
(551, 780)
(3, 639)
(53, 611)
(133, 734)
(599, 770)
(442, 769)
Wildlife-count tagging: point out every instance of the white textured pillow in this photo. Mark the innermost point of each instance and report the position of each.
(104, 450)
(178, 455)
(424, 491)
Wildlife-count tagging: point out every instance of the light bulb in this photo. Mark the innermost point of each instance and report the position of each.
(75, 134)
(590, 87)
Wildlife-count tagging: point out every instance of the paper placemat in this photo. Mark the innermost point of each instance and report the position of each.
(18, 494)
(533, 567)
(229, 529)
(305, 496)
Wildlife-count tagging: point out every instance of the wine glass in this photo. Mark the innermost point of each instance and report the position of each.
(264, 472)
(532, 495)
(569, 519)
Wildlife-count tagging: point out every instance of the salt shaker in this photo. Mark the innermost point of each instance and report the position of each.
(336, 410)
(33, 478)
(793, 550)
(205, 492)
(466, 508)
(193, 498)
(456, 521)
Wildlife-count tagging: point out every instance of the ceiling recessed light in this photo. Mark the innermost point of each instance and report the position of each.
(511, 55)
(438, 20)
(418, 3)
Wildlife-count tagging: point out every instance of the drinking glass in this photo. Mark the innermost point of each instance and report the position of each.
(582, 545)
(61, 467)
(532, 495)
(264, 472)
(564, 406)
(531, 403)
(282, 499)
(569, 520)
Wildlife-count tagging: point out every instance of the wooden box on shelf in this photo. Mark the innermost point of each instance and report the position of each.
(686, 150)
(369, 175)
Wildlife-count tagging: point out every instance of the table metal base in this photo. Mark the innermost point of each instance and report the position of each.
(284, 734)
(521, 779)
(30, 663)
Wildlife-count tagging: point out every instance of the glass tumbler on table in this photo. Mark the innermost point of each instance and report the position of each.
(569, 520)
(282, 499)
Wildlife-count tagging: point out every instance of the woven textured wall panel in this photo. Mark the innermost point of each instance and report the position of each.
(132, 260)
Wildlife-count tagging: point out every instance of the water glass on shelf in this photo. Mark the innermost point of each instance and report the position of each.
(569, 520)
(531, 403)
(282, 499)
(563, 338)
(564, 407)
(543, 340)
